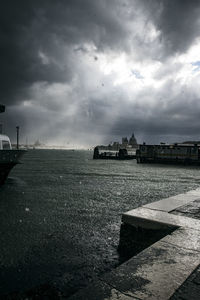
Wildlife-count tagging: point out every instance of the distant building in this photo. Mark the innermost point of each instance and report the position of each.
(133, 141)
(126, 144)
(116, 146)
(124, 141)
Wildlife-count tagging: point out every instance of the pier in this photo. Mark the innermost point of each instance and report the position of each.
(162, 241)
(121, 154)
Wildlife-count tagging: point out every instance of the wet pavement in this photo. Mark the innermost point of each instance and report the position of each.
(191, 210)
(190, 289)
(167, 269)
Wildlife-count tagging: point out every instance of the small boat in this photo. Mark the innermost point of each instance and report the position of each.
(8, 157)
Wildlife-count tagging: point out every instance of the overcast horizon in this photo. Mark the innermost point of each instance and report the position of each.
(84, 72)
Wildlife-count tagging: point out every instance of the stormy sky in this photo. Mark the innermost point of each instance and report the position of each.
(85, 72)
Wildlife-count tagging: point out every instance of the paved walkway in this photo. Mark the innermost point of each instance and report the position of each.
(167, 268)
(190, 289)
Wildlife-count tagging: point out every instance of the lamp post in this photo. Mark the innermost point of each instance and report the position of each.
(2, 110)
(17, 127)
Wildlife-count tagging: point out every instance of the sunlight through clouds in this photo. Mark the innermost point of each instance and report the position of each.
(102, 69)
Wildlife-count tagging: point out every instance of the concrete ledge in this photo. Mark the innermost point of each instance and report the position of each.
(174, 269)
(159, 270)
(148, 218)
(172, 203)
(155, 273)
(184, 238)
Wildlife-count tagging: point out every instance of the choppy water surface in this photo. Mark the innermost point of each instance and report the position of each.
(61, 212)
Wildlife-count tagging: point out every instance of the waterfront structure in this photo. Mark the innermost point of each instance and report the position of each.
(163, 153)
(115, 150)
(116, 146)
(129, 145)
(122, 154)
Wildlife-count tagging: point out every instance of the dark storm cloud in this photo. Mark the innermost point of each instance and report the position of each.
(29, 28)
(22, 35)
(178, 22)
(174, 116)
(52, 54)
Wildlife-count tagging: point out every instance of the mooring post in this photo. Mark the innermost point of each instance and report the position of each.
(17, 127)
(2, 110)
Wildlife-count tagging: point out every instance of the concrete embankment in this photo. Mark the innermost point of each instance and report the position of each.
(162, 242)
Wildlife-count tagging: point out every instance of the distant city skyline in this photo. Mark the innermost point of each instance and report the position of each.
(88, 72)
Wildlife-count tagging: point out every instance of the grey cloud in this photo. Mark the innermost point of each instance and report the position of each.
(28, 27)
(172, 117)
(45, 43)
(54, 28)
(179, 23)
(57, 27)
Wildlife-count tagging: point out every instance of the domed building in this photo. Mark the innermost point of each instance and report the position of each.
(132, 141)
(124, 142)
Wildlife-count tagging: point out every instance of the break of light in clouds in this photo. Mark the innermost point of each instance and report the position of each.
(87, 72)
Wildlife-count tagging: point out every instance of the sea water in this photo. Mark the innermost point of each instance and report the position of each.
(61, 214)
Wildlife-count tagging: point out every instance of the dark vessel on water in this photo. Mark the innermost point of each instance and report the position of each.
(8, 157)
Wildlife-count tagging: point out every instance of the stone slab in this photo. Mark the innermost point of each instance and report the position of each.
(190, 290)
(185, 238)
(191, 210)
(171, 203)
(153, 219)
(155, 273)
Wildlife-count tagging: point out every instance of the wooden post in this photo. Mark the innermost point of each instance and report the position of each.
(17, 127)
(2, 108)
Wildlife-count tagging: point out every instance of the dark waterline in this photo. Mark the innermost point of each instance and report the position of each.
(61, 213)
